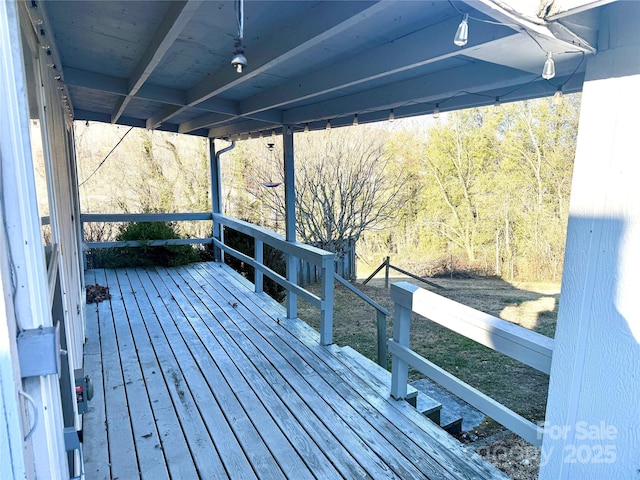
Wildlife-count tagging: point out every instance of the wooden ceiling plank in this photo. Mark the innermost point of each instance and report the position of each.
(173, 23)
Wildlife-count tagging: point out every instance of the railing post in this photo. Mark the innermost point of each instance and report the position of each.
(258, 255)
(292, 276)
(326, 312)
(402, 296)
(386, 272)
(381, 324)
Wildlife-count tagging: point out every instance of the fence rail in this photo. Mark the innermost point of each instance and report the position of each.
(517, 342)
(146, 217)
(387, 267)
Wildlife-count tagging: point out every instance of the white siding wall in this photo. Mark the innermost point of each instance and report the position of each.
(593, 423)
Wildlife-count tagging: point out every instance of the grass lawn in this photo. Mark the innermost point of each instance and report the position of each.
(513, 384)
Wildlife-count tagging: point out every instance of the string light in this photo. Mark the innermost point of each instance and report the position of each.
(462, 34)
(436, 111)
(549, 69)
(355, 120)
(392, 116)
(557, 97)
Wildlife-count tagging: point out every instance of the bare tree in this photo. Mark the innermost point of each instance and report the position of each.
(346, 184)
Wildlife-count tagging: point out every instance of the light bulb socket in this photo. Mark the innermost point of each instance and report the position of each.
(462, 33)
(239, 61)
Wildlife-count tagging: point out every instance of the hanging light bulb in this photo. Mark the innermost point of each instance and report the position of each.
(239, 61)
(462, 34)
(496, 105)
(355, 120)
(549, 69)
(306, 128)
(557, 97)
(392, 116)
(328, 127)
(436, 111)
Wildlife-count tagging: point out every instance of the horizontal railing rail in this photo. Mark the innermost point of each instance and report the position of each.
(381, 319)
(517, 342)
(146, 217)
(293, 251)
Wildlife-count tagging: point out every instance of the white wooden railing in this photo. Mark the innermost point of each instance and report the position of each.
(145, 217)
(293, 252)
(517, 342)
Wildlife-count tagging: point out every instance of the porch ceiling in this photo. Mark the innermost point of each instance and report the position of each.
(166, 65)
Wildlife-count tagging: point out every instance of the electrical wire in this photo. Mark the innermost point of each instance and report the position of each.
(35, 413)
(105, 158)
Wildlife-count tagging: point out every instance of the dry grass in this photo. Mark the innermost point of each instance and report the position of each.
(517, 386)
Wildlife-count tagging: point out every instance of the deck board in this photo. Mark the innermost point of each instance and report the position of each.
(201, 378)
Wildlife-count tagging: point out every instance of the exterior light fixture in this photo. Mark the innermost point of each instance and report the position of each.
(462, 34)
(392, 116)
(496, 105)
(328, 126)
(436, 111)
(355, 120)
(549, 69)
(306, 128)
(239, 61)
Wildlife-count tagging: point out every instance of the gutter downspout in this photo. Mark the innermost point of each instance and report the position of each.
(216, 193)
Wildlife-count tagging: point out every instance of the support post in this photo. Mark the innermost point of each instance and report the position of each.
(326, 312)
(290, 215)
(258, 255)
(386, 272)
(402, 296)
(594, 392)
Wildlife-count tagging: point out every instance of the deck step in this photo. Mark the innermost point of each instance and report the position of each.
(369, 370)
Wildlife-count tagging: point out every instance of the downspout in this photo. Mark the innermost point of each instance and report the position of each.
(216, 194)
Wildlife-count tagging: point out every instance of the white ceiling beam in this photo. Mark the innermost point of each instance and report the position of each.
(242, 128)
(318, 25)
(424, 47)
(210, 119)
(429, 88)
(174, 21)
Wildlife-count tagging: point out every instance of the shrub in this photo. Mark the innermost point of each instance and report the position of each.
(272, 258)
(145, 255)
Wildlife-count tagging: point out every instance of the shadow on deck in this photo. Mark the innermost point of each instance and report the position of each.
(197, 377)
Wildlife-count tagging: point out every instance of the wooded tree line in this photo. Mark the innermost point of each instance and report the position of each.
(484, 189)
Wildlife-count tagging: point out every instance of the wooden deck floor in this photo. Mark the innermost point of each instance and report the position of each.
(197, 377)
